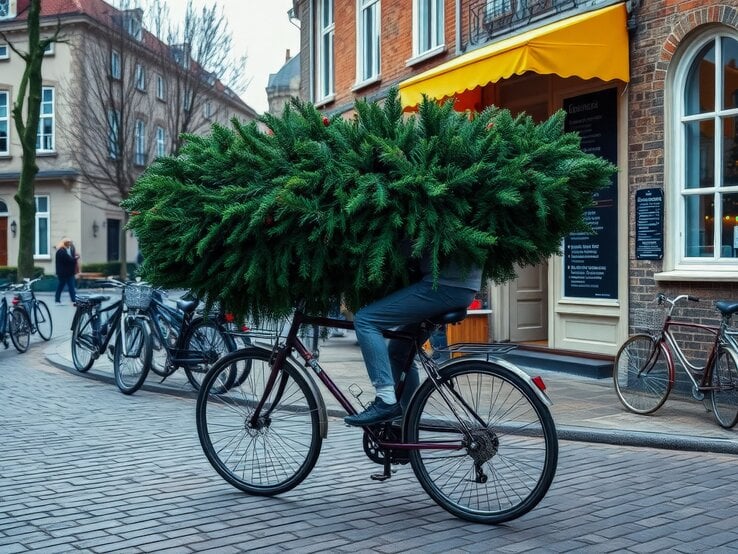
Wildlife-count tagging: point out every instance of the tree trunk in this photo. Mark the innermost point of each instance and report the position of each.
(27, 209)
(123, 248)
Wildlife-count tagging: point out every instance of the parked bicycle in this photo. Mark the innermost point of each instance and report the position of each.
(37, 310)
(93, 328)
(183, 339)
(645, 364)
(14, 324)
(478, 433)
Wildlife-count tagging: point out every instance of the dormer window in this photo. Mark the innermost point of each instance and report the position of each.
(7, 9)
(132, 23)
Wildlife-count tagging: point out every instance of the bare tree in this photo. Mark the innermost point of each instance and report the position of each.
(198, 64)
(30, 91)
(113, 112)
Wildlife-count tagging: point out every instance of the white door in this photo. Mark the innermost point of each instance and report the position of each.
(528, 304)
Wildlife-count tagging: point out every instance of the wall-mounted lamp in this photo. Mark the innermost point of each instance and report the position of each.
(95, 228)
(14, 228)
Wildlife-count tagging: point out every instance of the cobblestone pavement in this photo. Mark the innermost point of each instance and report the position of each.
(85, 468)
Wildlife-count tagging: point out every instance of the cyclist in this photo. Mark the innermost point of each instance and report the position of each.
(404, 310)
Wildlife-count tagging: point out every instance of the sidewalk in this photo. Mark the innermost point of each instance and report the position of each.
(585, 409)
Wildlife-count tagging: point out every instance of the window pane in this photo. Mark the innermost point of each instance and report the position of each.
(730, 73)
(699, 154)
(43, 236)
(699, 95)
(729, 234)
(700, 215)
(42, 204)
(730, 152)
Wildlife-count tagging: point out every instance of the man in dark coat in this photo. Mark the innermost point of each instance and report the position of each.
(66, 267)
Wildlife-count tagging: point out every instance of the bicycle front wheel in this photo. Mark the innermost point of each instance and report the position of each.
(131, 364)
(83, 340)
(42, 318)
(507, 447)
(642, 374)
(273, 452)
(724, 395)
(20, 329)
(206, 337)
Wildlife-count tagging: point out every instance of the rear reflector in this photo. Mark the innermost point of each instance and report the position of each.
(538, 380)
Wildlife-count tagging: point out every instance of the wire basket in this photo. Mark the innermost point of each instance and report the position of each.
(650, 320)
(25, 296)
(137, 297)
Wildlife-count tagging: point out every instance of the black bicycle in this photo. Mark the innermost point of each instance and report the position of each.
(181, 338)
(14, 324)
(37, 310)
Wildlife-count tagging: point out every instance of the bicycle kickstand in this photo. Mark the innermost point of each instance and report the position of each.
(387, 473)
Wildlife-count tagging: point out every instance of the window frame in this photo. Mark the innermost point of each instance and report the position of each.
(6, 119)
(365, 75)
(161, 88)
(139, 142)
(679, 264)
(115, 65)
(43, 116)
(160, 138)
(139, 77)
(325, 70)
(38, 235)
(8, 10)
(113, 133)
(437, 16)
(4, 52)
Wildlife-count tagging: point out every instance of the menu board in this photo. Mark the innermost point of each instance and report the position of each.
(649, 220)
(591, 259)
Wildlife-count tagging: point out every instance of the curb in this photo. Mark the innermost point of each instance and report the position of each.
(615, 437)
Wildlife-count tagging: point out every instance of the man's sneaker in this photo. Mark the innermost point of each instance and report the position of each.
(376, 412)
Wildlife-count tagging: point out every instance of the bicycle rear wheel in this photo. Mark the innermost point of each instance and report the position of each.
(725, 394)
(277, 451)
(42, 318)
(20, 329)
(642, 374)
(132, 366)
(507, 446)
(83, 341)
(207, 337)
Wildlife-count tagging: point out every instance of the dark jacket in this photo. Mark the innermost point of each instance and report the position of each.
(65, 263)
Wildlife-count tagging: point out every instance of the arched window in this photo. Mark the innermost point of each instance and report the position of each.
(705, 218)
(3, 208)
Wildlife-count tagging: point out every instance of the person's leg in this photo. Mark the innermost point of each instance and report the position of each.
(59, 288)
(408, 306)
(71, 289)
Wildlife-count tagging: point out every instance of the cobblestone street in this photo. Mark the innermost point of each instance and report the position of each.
(87, 468)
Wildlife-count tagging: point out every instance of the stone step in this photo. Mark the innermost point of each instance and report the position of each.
(552, 360)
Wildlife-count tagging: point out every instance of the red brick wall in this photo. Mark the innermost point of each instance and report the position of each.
(661, 27)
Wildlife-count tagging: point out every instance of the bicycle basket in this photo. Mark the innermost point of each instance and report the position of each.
(650, 320)
(25, 296)
(137, 297)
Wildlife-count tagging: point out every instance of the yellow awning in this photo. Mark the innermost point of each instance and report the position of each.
(593, 44)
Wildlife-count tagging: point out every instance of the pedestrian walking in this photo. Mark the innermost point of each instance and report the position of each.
(67, 266)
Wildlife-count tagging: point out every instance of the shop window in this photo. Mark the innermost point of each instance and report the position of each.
(705, 221)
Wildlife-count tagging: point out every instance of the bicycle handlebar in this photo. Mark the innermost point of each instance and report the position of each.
(662, 298)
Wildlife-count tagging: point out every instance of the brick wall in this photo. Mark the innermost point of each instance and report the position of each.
(661, 27)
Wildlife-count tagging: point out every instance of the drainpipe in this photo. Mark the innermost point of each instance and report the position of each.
(458, 27)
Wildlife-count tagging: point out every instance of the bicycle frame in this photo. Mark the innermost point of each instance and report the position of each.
(114, 320)
(292, 342)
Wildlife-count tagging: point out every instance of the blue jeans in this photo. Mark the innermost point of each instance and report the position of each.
(69, 282)
(403, 310)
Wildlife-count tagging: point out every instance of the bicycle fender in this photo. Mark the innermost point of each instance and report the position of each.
(322, 411)
(509, 366)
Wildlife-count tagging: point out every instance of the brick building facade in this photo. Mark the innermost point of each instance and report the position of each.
(658, 125)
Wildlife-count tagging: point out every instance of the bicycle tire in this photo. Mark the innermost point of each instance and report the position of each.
(206, 335)
(19, 327)
(131, 369)
(507, 465)
(724, 397)
(642, 392)
(42, 319)
(279, 452)
(159, 354)
(84, 349)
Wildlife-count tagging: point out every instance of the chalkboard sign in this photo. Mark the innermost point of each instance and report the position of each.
(591, 259)
(649, 221)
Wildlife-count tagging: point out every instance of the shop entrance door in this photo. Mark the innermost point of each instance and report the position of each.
(529, 304)
(3, 241)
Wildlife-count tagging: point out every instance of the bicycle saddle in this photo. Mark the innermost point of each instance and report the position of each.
(448, 317)
(727, 308)
(187, 306)
(92, 298)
